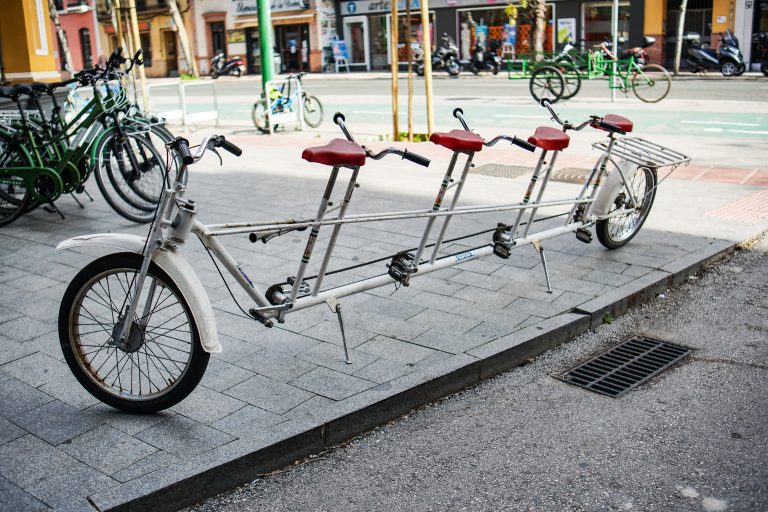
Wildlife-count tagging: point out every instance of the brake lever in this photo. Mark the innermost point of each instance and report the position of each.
(221, 160)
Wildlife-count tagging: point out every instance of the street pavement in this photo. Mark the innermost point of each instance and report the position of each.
(695, 438)
(289, 384)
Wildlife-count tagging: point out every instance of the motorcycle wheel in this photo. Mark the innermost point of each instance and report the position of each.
(475, 70)
(495, 69)
(238, 73)
(740, 70)
(453, 68)
(214, 74)
(420, 70)
(728, 68)
(764, 68)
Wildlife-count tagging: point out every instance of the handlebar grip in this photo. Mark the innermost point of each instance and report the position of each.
(417, 159)
(181, 145)
(545, 102)
(228, 146)
(610, 127)
(338, 116)
(457, 112)
(524, 144)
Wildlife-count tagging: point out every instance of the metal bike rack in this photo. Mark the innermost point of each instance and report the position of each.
(182, 114)
(294, 116)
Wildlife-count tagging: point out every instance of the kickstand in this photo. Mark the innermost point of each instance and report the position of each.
(336, 308)
(77, 201)
(540, 249)
(85, 191)
(51, 208)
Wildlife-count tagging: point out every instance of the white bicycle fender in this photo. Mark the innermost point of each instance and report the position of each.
(172, 264)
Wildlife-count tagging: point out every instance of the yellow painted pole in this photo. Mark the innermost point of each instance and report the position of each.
(427, 40)
(137, 44)
(410, 68)
(395, 63)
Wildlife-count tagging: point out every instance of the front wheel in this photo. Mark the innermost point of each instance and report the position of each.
(259, 116)
(453, 67)
(651, 84)
(728, 68)
(162, 360)
(617, 230)
(764, 68)
(741, 68)
(313, 111)
(547, 82)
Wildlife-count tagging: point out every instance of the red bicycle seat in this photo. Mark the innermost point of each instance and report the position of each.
(458, 140)
(338, 152)
(622, 122)
(546, 137)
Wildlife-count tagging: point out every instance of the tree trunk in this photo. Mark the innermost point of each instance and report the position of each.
(539, 27)
(62, 36)
(679, 43)
(183, 39)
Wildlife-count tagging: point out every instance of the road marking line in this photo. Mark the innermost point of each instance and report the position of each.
(720, 122)
(702, 173)
(751, 132)
(748, 176)
(718, 130)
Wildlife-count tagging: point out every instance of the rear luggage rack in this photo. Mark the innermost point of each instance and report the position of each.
(645, 153)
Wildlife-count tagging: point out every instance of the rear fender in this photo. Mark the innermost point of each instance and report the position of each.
(172, 264)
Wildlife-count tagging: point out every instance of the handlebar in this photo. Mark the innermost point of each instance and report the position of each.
(181, 146)
(407, 155)
(600, 123)
(513, 140)
(594, 121)
(459, 114)
(338, 118)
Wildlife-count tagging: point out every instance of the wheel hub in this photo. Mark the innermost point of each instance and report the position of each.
(133, 341)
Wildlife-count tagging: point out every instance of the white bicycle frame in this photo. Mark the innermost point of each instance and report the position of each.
(176, 221)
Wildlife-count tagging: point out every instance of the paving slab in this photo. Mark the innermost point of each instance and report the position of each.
(275, 395)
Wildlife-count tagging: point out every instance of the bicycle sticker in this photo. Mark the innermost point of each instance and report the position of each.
(248, 279)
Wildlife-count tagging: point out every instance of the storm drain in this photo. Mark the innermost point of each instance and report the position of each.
(625, 366)
(501, 170)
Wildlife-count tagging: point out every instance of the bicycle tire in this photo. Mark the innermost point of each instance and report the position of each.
(15, 196)
(651, 78)
(617, 231)
(103, 285)
(572, 79)
(314, 108)
(116, 190)
(259, 116)
(547, 82)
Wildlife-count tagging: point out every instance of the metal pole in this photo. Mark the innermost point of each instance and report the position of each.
(427, 40)
(615, 32)
(679, 43)
(410, 69)
(393, 35)
(265, 43)
(137, 45)
(3, 81)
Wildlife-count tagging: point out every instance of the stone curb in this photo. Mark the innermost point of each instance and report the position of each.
(246, 459)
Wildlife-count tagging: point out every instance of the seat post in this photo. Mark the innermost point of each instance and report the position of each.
(543, 185)
(435, 208)
(454, 200)
(335, 234)
(528, 193)
(314, 232)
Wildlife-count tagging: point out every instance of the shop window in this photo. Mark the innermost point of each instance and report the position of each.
(597, 22)
(417, 35)
(85, 47)
(218, 38)
(491, 28)
(146, 48)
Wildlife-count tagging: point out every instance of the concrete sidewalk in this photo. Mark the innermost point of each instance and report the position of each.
(273, 396)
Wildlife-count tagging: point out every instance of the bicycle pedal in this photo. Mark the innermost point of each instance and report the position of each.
(303, 287)
(584, 235)
(502, 249)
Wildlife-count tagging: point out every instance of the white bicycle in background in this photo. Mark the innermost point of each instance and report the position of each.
(136, 325)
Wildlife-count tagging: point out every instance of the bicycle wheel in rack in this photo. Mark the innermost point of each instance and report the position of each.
(130, 174)
(547, 82)
(313, 111)
(651, 83)
(162, 360)
(15, 197)
(616, 231)
(259, 116)
(572, 79)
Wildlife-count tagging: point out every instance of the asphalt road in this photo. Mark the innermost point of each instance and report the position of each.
(694, 438)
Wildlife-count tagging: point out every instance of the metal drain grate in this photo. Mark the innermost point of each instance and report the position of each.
(501, 170)
(625, 366)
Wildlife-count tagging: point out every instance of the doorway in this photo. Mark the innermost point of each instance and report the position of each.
(293, 45)
(356, 36)
(171, 55)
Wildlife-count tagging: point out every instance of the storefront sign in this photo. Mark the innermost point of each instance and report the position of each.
(566, 30)
(235, 36)
(339, 47)
(375, 6)
(246, 7)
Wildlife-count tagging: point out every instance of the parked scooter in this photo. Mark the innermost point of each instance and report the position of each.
(728, 59)
(446, 57)
(761, 40)
(486, 59)
(220, 66)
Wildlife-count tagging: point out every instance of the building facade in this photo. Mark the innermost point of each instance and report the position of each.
(78, 21)
(26, 42)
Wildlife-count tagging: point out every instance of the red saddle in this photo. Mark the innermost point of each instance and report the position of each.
(338, 152)
(546, 137)
(622, 122)
(458, 140)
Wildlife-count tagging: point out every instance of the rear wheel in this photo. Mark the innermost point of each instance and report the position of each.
(572, 80)
(740, 69)
(616, 231)
(547, 82)
(15, 197)
(259, 116)
(651, 84)
(313, 111)
(764, 68)
(453, 67)
(162, 360)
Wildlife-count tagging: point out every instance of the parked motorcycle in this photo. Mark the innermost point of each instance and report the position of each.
(486, 59)
(761, 40)
(446, 57)
(700, 57)
(220, 66)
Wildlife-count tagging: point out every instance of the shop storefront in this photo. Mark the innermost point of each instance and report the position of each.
(296, 33)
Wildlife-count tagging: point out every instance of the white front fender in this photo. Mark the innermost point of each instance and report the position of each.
(172, 264)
